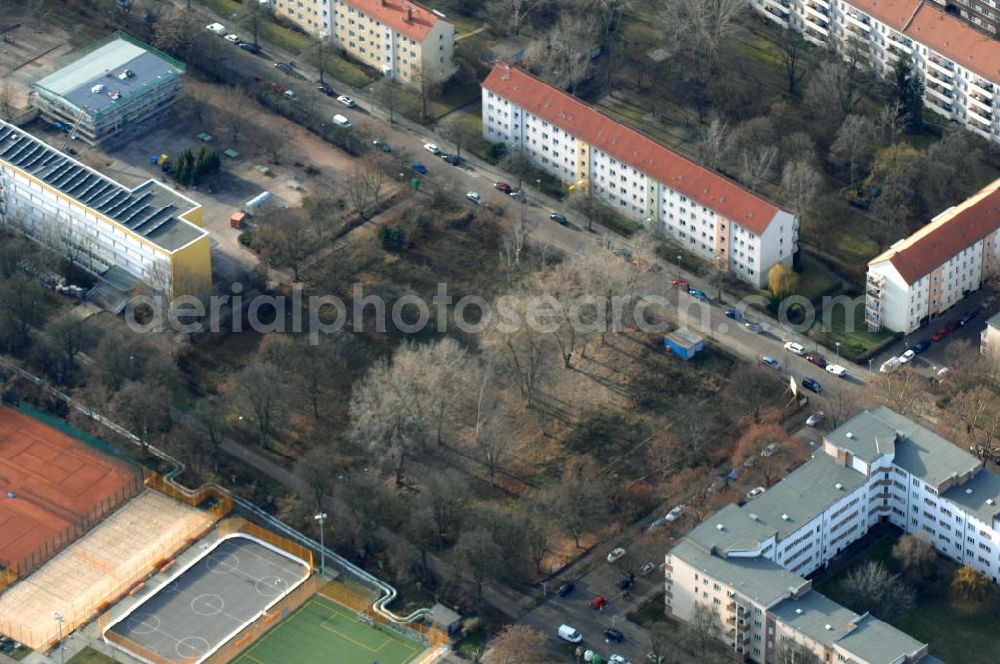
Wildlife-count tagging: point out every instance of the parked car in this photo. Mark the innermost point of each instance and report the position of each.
(811, 384)
(771, 362)
(346, 101)
(419, 168)
(968, 316)
(756, 491)
(567, 633)
(836, 370)
(816, 418)
(890, 365)
(342, 121)
(953, 325)
(921, 346)
(598, 602)
(674, 513)
(233, 38)
(217, 28)
(942, 373)
(502, 186)
(647, 568)
(940, 335)
(616, 554)
(565, 588)
(797, 349)
(290, 94)
(769, 450)
(698, 295)
(734, 314)
(325, 89)
(250, 47)
(382, 145)
(451, 159)
(618, 659)
(559, 218)
(518, 196)
(473, 196)
(907, 356)
(432, 148)
(816, 359)
(282, 66)
(625, 582)
(612, 634)
(756, 328)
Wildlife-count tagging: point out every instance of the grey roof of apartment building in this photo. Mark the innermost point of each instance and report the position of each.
(974, 494)
(150, 210)
(879, 642)
(994, 321)
(759, 579)
(102, 66)
(811, 613)
(801, 497)
(918, 450)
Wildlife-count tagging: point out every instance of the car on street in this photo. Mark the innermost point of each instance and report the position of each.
(250, 47)
(796, 348)
(816, 359)
(451, 159)
(565, 588)
(290, 94)
(612, 634)
(502, 186)
(940, 335)
(698, 295)
(518, 196)
(674, 513)
(734, 314)
(811, 384)
(381, 145)
(432, 148)
(283, 66)
(625, 582)
(618, 659)
(569, 634)
(419, 168)
(953, 325)
(346, 101)
(756, 328)
(325, 89)
(769, 361)
(907, 356)
(647, 568)
(816, 419)
(769, 450)
(233, 39)
(942, 372)
(559, 218)
(616, 554)
(921, 346)
(217, 28)
(968, 316)
(598, 602)
(756, 491)
(836, 370)
(473, 196)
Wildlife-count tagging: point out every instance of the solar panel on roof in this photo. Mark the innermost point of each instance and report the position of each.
(93, 196)
(134, 212)
(123, 208)
(149, 231)
(112, 201)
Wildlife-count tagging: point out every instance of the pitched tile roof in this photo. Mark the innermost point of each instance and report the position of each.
(627, 145)
(946, 235)
(894, 13)
(956, 41)
(407, 18)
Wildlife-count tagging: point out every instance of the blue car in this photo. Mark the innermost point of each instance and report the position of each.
(811, 384)
(418, 167)
(920, 346)
(734, 314)
(698, 295)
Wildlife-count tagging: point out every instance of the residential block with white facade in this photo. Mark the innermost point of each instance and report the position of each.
(960, 66)
(749, 564)
(705, 212)
(149, 233)
(923, 275)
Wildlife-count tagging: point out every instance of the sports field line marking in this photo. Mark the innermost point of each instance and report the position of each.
(347, 638)
(334, 610)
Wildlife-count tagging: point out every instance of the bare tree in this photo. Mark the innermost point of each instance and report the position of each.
(901, 390)
(800, 184)
(794, 57)
(260, 391)
(701, 25)
(508, 16)
(387, 95)
(854, 145)
(756, 164)
(915, 552)
(364, 185)
(713, 143)
(252, 17)
(317, 53)
(793, 652)
(703, 628)
(872, 588)
(458, 132)
(510, 645)
(478, 557)
(145, 410)
(230, 106)
(273, 143)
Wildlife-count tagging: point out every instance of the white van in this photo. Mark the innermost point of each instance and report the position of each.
(341, 121)
(217, 28)
(890, 365)
(567, 633)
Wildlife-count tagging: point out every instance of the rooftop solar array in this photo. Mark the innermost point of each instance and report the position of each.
(148, 211)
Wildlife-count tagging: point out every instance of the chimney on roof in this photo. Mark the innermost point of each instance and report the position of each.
(409, 14)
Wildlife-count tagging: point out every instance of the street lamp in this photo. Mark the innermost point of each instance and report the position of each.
(538, 183)
(62, 647)
(838, 349)
(678, 265)
(870, 365)
(321, 517)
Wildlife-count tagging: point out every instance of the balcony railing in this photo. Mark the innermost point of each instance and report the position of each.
(977, 115)
(984, 87)
(940, 78)
(982, 101)
(941, 65)
(945, 95)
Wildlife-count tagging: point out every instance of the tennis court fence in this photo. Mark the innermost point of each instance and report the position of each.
(212, 498)
(360, 599)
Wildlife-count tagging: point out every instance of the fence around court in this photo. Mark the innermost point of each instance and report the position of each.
(360, 599)
(222, 502)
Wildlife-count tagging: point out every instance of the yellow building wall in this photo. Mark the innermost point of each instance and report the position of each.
(582, 160)
(195, 216)
(191, 268)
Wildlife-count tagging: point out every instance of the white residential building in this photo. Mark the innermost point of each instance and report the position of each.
(702, 210)
(989, 338)
(921, 276)
(749, 563)
(313, 16)
(960, 66)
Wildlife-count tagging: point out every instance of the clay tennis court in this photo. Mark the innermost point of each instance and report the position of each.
(61, 487)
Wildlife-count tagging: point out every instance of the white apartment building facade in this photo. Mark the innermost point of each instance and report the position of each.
(313, 16)
(148, 234)
(706, 213)
(921, 276)
(989, 338)
(748, 563)
(960, 66)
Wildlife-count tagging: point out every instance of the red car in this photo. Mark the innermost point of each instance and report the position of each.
(953, 325)
(598, 602)
(816, 359)
(940, 334)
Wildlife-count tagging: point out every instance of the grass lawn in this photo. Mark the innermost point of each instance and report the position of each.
(287, 39)
(815, 280)
(857, 343)
(322, 631)
(955, 631)
(90, 656)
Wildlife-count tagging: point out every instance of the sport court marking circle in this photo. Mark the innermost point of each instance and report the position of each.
(222, 564)
(171, 587)
(271, 586)
(207, 605)
(191, 645)
(143, 623)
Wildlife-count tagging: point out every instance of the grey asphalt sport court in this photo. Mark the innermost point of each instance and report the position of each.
(205, 605)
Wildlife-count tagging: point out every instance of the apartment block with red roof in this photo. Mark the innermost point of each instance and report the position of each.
(313, 16)
(982, 15)
(705, 212)
(960, 66)
(401, 39)
(920, 277)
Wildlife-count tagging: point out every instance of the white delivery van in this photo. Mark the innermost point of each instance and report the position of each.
(341, 121)
(567, 633)
(890, 365)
